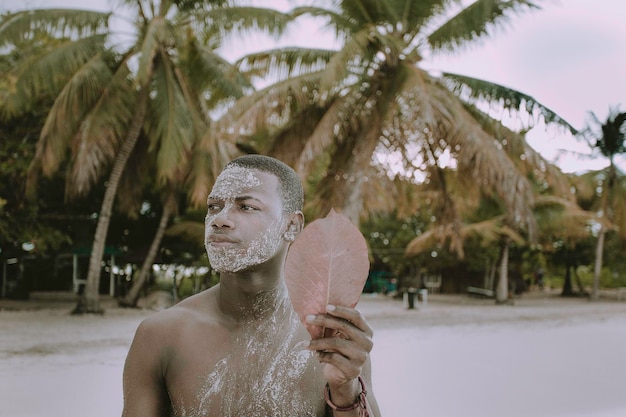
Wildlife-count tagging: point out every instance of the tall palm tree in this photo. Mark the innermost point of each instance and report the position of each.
(607, 138)
(335, 110)
(105, 99)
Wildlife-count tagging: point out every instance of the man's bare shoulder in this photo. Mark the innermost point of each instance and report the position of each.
(195, 310)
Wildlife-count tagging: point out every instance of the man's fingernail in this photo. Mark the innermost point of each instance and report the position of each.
(330, 307)
(310, 318)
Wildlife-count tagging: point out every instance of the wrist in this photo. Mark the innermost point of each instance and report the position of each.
(345, 393)
(346, 397)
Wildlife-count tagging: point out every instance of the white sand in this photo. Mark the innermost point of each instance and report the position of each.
(543, 357)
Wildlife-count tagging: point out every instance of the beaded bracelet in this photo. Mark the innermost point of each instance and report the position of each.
(360, 401)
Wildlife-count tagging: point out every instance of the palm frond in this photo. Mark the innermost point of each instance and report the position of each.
(173, 127)
(528, 160)
(607, 138)
(203, 169)
(136, 177)
(240, 21)
(437, 236)
(70, 107)
(488, 231)
(350, 160)
(57, 23)
(474, 21)
(416, 14)
(357, 49)
(47, 72)
(551, 202)
(103, 125)
(155, 34)
(330, 126)
(561, 217)
(423, 242)
(343, 25)
(188, 230)
(211, 73)
(362, 11)
(472, 89)
(288, 143)
(284, 62)
(362, 112)
(263, 110)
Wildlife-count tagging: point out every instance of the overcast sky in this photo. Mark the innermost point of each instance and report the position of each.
(570, 56)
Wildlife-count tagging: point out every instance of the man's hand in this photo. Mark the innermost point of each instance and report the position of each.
(345, 350)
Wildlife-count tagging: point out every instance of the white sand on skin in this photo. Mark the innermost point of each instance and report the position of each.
(543, 357)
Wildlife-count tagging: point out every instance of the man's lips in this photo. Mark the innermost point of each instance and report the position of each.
(219, 240)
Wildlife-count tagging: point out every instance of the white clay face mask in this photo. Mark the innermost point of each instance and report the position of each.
(231, 183)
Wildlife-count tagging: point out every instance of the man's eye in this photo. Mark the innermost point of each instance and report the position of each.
(246, 207)
(214, 207)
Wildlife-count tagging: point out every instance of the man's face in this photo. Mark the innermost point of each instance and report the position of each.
(244, 222)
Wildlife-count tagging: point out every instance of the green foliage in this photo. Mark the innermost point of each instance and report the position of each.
(387, 238)
(477, 90)
(23, 220)
(188, 280)
(608, 137)
(610, 277)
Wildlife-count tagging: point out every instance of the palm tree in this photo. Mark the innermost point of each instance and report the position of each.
(564, 229)
(466, 208)
(106, 99)
(461, 211)
(334, 111)
(607, 138)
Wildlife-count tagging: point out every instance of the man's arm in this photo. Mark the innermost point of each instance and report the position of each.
(346, 355)
(145, 393)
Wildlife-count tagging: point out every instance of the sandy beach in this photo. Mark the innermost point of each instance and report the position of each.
(544, 356)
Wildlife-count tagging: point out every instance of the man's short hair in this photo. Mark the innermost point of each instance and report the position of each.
(290, 186)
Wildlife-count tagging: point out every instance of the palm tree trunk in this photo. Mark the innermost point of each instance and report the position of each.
(597, 268)
(502, 291)
(349, 192)
(568, 289)
(606, 191)
(89, 301)
(130, 300)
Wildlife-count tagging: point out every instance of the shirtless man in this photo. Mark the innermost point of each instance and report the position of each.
(238, 349)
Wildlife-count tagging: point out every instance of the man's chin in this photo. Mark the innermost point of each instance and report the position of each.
(230, 266)
(228, 261)
(230, 269)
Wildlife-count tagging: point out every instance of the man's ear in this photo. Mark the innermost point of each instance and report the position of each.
(294, 226)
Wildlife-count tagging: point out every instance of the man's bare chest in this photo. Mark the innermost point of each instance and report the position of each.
(253, 373)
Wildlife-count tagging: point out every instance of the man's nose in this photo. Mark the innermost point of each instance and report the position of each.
(222, 219)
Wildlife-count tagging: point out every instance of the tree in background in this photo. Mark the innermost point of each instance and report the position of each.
(33, 224)
(463, 207)
(23, 221)
(563, 237)
(607, 187)
(105, 98)
(333, 112)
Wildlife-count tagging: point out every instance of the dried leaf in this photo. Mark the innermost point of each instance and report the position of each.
(327, 264)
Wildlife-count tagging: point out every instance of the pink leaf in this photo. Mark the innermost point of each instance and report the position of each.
(327, 264)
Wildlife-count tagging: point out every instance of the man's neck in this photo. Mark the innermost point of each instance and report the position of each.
(251, 296)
